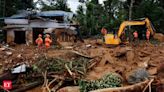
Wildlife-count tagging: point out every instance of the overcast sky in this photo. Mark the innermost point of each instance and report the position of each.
(73, 4)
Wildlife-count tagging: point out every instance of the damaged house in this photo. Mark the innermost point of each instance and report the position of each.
(25, 26)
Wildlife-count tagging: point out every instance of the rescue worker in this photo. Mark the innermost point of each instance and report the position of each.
(39, 41)
(48, 41)
(103, 31)
(147, 34)
(135, 34)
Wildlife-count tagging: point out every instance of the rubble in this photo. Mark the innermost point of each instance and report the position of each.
(97, 62)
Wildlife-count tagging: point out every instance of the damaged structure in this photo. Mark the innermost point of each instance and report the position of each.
(25, 26)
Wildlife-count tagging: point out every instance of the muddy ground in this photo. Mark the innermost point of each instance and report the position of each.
(121, 59)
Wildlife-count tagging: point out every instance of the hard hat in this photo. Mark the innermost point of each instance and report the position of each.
(40, 35)
(47, 35)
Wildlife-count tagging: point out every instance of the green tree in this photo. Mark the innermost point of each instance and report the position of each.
(153, 9)
(10, 7)
(56, 5)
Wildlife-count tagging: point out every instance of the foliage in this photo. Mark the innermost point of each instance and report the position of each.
(153, 10)
(10, 7)
(108, 81)
(56, 5)
(113, 12)
(58, 66)
(97, 16)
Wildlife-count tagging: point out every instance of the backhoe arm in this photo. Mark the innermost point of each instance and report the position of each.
(132, 23)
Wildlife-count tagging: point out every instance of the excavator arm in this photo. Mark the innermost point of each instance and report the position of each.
(132, 23)
(111, 39)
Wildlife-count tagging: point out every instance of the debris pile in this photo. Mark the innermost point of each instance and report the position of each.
(60, 68)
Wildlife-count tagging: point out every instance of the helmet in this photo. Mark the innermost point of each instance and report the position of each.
(40, 35)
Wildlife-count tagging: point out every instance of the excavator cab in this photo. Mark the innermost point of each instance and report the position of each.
(112, 39)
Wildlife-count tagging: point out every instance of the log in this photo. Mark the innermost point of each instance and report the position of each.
(136, 87)
(8, 76)
(27, 86)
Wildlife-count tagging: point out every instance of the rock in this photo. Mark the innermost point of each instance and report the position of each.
(8, 53)
(137, 76)
(152, 71)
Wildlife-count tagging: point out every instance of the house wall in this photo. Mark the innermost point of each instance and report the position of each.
(28, 33)
(10, 36)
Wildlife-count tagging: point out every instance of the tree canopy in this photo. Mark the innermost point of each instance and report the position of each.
(112, 12)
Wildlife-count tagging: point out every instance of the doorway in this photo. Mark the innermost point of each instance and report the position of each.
(20, 37)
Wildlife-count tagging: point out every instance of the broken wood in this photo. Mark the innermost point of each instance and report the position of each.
(80, 54)
(27, 86)
(69, 71)
(55, 88)
(148, 85)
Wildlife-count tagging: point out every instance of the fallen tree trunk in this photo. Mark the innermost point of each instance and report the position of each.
(136, 87)
(27, 86)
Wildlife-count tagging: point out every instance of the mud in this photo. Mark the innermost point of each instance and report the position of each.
(121, 60)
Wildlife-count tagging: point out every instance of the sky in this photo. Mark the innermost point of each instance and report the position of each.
(73, 4)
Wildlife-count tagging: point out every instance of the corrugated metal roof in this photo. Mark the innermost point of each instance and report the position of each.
(22, 14)
(25, 14)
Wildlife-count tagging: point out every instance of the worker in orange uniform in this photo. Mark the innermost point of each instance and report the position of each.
(48, 41)
(147, 34)
(135, 34)
(39, 41)
(104, 32)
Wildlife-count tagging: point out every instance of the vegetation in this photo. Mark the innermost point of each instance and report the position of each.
(113, 12)
(56, 5)
(108, 81)
(95, 16)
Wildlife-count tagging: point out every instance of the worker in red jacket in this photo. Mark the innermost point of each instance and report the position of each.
(39, 41)
(48, 41)
(147, 34)
(103, 31)
(135, 34)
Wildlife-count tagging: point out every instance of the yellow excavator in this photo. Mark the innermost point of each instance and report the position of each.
(114, 39)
